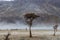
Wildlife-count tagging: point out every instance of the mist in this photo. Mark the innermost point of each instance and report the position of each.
(19, 25)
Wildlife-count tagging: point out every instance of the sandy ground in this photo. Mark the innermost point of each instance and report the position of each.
(26, 32)
(24, 35)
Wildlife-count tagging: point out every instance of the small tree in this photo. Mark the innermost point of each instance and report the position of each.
(55, 29)
(56, 25)
(29, 19)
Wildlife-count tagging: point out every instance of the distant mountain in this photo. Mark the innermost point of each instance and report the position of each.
(18, 8)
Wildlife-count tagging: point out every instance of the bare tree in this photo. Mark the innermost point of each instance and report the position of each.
(55, 29)
(7, 36)
(29, 19)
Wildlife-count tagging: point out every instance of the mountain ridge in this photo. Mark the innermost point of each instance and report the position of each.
(18, 8)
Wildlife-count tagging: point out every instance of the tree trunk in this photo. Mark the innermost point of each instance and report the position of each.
(30, 31)
(54, 32)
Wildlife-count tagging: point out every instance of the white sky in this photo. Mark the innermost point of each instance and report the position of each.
(6, 0)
